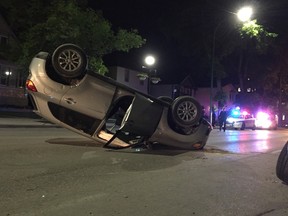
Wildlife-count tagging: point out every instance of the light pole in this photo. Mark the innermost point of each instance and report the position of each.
(244, 14)
(151, 75)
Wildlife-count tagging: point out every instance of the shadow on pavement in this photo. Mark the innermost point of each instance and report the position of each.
(155, 149)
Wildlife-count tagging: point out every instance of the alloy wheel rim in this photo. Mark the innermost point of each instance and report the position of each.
(187, 111)
(69, 60)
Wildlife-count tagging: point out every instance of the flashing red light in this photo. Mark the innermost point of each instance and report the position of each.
(30, 86)
(245, 113)
(262, 115)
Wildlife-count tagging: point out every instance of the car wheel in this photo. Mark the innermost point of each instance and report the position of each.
(186, 111)
(69, 61)
(243, 126)
(282, 164)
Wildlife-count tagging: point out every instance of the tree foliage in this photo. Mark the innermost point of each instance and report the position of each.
(262, 37)
(43, 25)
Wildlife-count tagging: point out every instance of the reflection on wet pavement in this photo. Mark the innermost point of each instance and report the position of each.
(248, 141)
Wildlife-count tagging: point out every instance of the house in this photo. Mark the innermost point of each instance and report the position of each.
(203, 96)
(186, 87)
(128, 77)
(12, 91)
(8, 70)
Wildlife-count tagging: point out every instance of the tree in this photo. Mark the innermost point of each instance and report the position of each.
(255, 38)
(65, 21)
(221, 97)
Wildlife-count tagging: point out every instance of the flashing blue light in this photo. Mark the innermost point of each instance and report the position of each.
(235, 112)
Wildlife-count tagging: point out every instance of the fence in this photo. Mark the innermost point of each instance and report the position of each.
(11, 96)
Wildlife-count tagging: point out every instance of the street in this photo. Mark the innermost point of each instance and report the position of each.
(47, 170)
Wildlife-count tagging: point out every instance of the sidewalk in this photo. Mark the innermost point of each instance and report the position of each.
(21, 118)
(8, 112)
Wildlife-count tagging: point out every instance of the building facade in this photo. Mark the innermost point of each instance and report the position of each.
(186, 87)
(129, 78)
(12, 89)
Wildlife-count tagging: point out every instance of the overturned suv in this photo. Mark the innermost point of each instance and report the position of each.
(63, 91)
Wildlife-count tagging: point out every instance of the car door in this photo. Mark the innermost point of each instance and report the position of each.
(249, 121)
(92, 97)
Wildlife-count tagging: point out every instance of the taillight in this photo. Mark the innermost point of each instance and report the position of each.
(30, 86)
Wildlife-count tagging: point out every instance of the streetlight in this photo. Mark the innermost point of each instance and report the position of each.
(8, 75)
(151, 75)
(244, 14)
(150, 60)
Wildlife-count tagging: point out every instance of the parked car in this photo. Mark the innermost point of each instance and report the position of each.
(282, 164)
(242, 121)
(65, 92)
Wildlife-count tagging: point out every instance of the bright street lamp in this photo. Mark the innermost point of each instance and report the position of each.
(8, 73)
(244, 14)
(150, 60)
(151, 75)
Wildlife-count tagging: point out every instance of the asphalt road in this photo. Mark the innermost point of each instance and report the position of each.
(47, 170)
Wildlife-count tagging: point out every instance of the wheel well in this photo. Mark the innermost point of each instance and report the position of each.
(181, 130)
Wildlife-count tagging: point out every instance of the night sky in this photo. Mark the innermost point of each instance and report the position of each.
(146, 16)
(143, 16)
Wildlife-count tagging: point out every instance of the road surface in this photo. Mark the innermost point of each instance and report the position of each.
(47, 170)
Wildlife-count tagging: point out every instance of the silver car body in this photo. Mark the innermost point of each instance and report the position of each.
(241, 122)
(84, 105)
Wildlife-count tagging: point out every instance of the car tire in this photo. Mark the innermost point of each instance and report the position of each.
(69, 61)
(186, 111)
(282, 164)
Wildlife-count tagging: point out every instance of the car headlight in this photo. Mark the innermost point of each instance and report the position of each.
(230, 120)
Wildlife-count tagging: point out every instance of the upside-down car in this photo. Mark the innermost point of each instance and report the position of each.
(64, 91)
